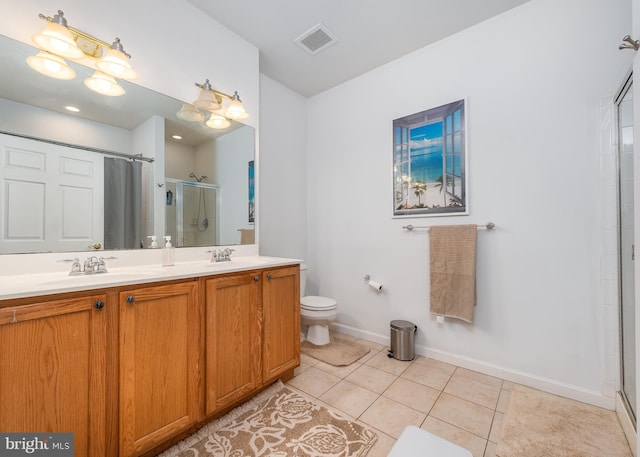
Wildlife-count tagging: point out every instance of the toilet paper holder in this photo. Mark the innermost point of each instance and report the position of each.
(375, 286)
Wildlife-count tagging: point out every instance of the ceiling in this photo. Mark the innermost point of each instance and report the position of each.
(369, 33)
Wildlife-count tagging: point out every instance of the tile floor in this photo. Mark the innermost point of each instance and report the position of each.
(462, 406)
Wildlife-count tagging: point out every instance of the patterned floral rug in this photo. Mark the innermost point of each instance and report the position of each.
(279, 422)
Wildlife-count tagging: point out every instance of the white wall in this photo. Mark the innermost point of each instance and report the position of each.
(231, 157)
(283, 177)
(533, 79)
(180, 161)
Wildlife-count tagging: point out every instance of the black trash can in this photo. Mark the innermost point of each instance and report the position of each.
(403, 340)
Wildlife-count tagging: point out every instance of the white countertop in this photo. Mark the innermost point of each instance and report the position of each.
(28, 285)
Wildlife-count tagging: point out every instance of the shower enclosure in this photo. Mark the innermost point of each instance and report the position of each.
(193, 213)
(626, 245)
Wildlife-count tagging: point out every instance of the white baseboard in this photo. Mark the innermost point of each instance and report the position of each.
(520, 377)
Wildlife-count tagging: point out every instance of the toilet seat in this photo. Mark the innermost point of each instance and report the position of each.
(315, 303)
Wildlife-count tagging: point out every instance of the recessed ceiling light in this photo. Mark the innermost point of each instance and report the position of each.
(176, 137)
(73, 109)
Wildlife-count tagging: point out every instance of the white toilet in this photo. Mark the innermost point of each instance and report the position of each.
(316, 313)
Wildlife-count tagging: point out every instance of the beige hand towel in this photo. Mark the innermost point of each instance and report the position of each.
(247, 236)
(452, 263)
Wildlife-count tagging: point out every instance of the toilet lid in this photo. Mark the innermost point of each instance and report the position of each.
(312, 302)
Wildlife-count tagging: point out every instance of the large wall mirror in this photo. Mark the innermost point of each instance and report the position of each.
(115, 172)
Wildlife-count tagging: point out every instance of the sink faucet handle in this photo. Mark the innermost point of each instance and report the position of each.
(69, 260)
(76, 267)
(214, 254)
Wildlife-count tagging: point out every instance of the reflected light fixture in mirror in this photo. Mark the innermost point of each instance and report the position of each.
(189, 113)
(61, 41)
(51, 65)
(104, 84)
(216, 121)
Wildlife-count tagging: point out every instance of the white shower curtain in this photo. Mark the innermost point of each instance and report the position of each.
(122, 203)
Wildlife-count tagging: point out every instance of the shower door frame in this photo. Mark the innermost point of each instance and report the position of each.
(625, 89)
(179, 201)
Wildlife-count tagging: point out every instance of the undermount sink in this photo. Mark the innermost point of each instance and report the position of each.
(102, 277)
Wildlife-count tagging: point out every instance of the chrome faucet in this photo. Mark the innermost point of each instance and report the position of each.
(222, 255)
(92, 265)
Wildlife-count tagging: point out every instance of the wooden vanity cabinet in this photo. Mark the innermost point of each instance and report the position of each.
(252, 333)
(159, 355)
(281, 321)
(53, 369)
(122, 369)
(233, 315)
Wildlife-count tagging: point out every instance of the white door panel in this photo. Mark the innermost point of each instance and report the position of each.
(51, 197)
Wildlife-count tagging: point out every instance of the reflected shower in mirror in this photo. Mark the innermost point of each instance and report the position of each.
(55, 194)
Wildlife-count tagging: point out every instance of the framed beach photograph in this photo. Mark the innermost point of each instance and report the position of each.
(252, 204)
(430, 162)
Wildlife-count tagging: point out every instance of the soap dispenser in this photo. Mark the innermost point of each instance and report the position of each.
(154, 243)
(168, 252)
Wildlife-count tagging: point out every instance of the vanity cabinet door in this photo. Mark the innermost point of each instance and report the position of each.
(281, 320)
(232, 339)
(159, 354)
(52, 370)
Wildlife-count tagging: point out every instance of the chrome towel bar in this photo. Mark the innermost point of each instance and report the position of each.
(488, 226)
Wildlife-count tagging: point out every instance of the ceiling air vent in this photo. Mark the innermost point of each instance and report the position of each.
(316, 39)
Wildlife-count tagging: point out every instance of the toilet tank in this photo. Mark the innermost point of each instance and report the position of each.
(303, 279)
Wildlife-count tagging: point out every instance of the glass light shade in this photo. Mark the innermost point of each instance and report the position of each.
(207, 100)
(116, 63)
(236, 110)
(51, 65)
(189, 113)
(57, 39)
(216, 121)
(104, 84)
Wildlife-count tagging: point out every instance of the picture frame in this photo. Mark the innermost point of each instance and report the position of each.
(430, 162)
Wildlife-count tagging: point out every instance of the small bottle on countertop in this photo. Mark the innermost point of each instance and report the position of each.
(154, 243)
(168, 252)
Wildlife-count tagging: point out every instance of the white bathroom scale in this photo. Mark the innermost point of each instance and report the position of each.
(415, 442)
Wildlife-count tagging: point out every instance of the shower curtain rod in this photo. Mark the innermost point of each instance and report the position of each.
(488, 226)
(86, 148)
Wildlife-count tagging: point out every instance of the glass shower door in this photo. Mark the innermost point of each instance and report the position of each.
(624, 115)
(193, 213)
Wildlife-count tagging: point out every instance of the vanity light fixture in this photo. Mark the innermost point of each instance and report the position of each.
(236, 109)
(116, 63)
(58, 41)
(207, 99)
(212, 100)
(57, 38)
